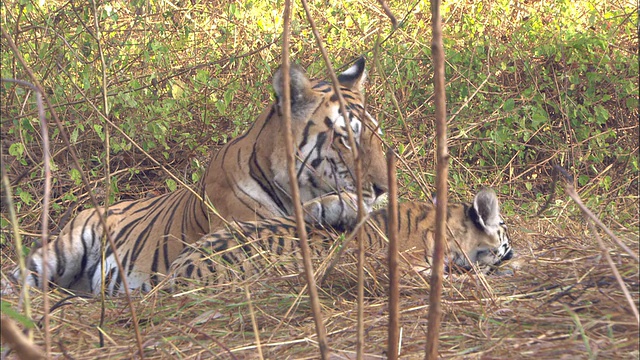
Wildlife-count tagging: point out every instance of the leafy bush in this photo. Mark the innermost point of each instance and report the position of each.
(529, 84)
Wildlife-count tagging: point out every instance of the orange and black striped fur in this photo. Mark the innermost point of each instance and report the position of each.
(477, 235)
(246, 180)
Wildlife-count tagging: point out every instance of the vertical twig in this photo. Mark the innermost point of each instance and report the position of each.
(295, 194)
(44, 129)
(46, 158)
(441, 183)
(254, 323)
(85, 182)
(103, 241)
(13, 219)
(358, 172)
(388, 12)
(591, 219)
(393, 350)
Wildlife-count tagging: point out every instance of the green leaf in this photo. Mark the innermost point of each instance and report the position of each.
(16, 149)
(13, 314)
(74, 135)
(75, 176)
(26, 197)
(171, 184)
(98, 129)
(538, 118)
(508, 105)
(583, 180)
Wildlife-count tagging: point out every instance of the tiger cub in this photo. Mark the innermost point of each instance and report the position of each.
(477, 235)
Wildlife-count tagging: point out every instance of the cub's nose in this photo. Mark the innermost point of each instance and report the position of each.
(508, 255)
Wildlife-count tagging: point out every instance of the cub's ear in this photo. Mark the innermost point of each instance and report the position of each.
(355, 76)
(488, 209)
(299, 84)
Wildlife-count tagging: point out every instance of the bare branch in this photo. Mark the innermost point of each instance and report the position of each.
(12, 336)
(442, 169)
(46, 158)
(295, 193)
(358, 172)
(591, 219)
(84, 179)
(393, 350)
(388, 12)
(559, 170)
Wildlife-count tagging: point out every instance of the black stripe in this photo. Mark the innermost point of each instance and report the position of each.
(189, 270)
(305, 134)
(323, 86)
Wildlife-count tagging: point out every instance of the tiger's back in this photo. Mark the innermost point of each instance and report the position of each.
(478, 237)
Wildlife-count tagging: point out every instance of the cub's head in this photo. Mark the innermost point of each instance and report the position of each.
(324, 159)
(479, 232)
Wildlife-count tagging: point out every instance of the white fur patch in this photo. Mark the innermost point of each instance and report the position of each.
(339, 123)
(351, 71)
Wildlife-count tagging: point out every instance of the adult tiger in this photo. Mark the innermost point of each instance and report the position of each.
(246, 180)
(477, 236)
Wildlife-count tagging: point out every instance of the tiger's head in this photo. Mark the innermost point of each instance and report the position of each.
(324, 159)
(482, 235)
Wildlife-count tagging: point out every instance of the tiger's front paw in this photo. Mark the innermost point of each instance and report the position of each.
(339, 211)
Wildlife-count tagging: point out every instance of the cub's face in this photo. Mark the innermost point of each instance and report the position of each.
(483, 236)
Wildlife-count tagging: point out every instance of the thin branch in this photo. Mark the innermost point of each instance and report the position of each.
(559, 170)
(85, 181)
(442, 169)
(591, 219)
(13, 219)
(295, 193)
(388, 12)
(358, 172)
(393, 350)
(254, 323)
(46, 158)
(12, 336)
(107, 180)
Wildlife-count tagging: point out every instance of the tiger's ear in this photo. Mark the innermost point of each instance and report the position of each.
(299, 84)
(488, 209)
(355, 76)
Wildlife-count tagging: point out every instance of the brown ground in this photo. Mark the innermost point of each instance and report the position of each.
(561, 302)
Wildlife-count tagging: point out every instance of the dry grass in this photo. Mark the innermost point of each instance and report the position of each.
(561, 301)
